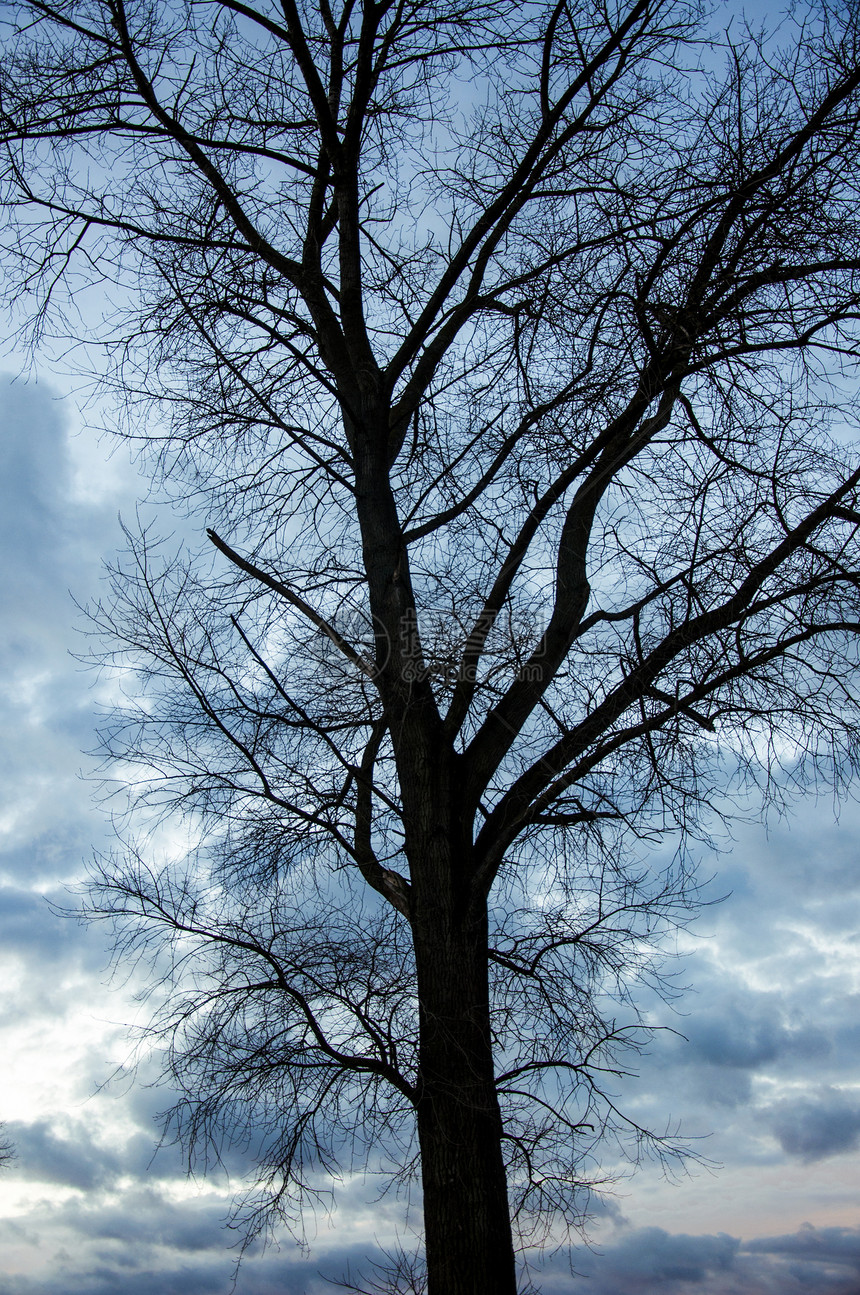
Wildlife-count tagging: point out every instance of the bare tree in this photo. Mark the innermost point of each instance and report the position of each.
(507, 350)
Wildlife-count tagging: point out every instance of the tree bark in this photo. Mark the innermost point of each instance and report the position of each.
(468, 1238)
(468, 1241)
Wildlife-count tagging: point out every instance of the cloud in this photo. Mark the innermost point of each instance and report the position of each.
(645, 1261)
(106, 1280)
(83, 1154)
(839, 1246)
(812, 1127)
(155, 1243)
(811, 1261)
(749, 1031)
(666, 1261)
(144, 1219)
(52, 542)
(103, 1240)
(74, 1160)
(29, 925)
(648, 1261)
(49, 541)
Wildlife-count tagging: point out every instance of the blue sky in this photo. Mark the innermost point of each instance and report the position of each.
(767, 1075)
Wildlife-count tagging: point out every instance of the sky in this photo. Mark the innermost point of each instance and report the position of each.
(762, 1067)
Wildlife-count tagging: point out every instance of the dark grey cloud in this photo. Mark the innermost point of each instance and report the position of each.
(99, 1240)
(31, 924)
(727, 1038)
(650, 1255)
(810, 1127)
(108, 1280)
(648, 1261)
(811, 1261)
(803, 874)
(161, 1246)
(145, 1219)
(71, 1152)
(73, 1160)
(772, 1013)
(749, 1030)
(840, 1246)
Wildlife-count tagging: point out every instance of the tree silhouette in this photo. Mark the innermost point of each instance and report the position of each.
(507, 353)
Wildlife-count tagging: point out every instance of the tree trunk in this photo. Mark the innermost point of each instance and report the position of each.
(466, 1218)
(467, 1224)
